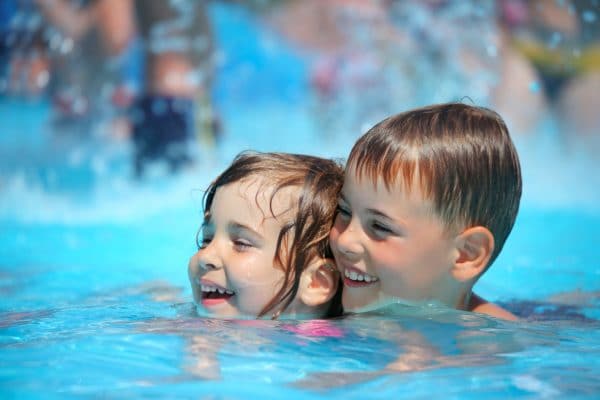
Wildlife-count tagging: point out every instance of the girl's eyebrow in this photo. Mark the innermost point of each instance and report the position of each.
(236, 227)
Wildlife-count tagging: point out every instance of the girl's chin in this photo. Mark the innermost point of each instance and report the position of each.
(210, 308)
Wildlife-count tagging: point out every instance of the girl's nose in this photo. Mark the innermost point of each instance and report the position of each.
(208, 257)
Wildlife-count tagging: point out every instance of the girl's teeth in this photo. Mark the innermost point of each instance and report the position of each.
(211, 289)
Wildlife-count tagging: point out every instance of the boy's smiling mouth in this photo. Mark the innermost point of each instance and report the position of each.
(213, 294)
(356, 278)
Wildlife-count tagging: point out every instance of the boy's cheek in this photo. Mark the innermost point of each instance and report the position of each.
(334, 234)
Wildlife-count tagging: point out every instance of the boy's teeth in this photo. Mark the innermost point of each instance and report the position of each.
(355, 276)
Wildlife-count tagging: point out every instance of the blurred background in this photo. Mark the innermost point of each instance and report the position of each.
(116, 114)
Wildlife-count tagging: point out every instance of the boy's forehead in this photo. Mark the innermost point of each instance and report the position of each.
(398, 185)
(377, 194)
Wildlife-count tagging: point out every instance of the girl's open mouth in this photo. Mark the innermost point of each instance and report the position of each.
(213, 294)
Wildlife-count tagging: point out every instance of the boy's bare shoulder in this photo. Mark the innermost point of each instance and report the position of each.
(479, 305)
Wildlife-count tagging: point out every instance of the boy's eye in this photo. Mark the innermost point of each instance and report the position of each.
(343, 211)
(380, 228)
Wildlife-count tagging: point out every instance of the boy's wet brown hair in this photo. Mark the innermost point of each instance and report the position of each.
(463, 157)
(306, 233)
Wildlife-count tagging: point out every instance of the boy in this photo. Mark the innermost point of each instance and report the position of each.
(429, 198)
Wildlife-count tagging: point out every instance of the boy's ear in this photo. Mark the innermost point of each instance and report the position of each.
(319, 282)
(475, 247)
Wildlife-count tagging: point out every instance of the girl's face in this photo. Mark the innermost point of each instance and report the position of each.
(234, 272)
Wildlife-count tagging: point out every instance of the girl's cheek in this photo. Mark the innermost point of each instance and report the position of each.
(251, 270)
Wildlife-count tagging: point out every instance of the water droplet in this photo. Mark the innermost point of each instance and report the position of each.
(201, 43)
(137, 116)
(55, 41)
(11, 39)
(589, 16)
(534, 87)
(80, 106)
(66, 45)
(555, 39)
(99, 166)
(42, 79)
(159, 107)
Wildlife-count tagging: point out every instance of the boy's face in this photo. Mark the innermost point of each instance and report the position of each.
(390, 245)
(234, 272)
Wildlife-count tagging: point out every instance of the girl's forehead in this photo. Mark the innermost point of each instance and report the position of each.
(262, 195)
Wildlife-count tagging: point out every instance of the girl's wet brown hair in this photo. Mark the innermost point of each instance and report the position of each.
(462, 156)
(319, 182)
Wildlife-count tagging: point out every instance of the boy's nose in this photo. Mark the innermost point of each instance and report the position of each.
(348, 239)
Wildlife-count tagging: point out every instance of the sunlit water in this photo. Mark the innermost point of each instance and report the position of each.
(95, 300)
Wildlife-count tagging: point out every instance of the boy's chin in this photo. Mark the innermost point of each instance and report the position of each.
(360, 301)
(356, 301)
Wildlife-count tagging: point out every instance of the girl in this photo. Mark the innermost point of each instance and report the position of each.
(264, 249)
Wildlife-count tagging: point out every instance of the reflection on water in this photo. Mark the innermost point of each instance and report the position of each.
(128, 340)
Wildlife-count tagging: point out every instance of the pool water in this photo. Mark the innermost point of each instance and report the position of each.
(95, 300)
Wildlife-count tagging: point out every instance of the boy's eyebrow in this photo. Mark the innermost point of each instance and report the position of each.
(379, 213)
(371, 210)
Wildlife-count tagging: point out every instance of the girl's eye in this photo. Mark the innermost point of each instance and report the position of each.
(204, 242)
(242, 244)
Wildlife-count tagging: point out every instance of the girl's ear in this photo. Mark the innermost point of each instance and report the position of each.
(474, 248)
(319, 282)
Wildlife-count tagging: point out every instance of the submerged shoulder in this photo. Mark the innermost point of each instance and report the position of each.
(479, 305)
